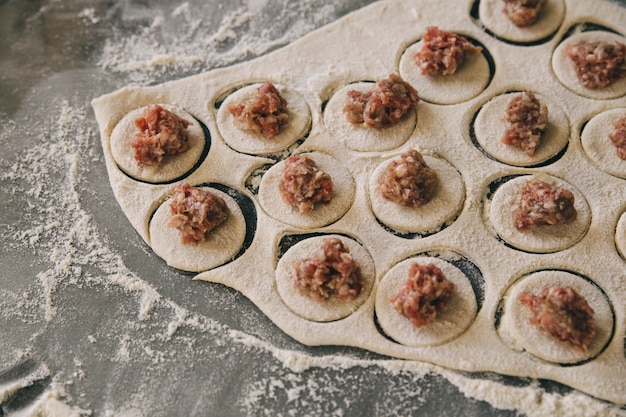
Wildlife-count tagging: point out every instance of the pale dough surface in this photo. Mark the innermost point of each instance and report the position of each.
(563, 67)
(469, 80)
(257, 144)
(359, 137)
(333, 308)
(432, 216)
(324, 213)
(489, 128)
(516, 319)
(368, 45)
(455, 319)
(173, 166)
(223, 244)
(549, 19)
(537, 239)
(598, 146)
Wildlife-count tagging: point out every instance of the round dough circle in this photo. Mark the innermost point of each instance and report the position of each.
(224, 243)
(323, 214)
(332, 308)
(173, 166)
(564, 67)
(598, 146)
(467, 82)
(620, 235)
(255, 143)
(550, 18)
(430, 217)
(358, 137)
(489, 128)
(521, 334)
(538, 239)
(454, 320)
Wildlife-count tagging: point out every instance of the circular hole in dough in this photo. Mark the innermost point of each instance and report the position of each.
(333, 308)
(323, 214)
(429, 218)
(598, 146)
(563, 66)
(548, 22)
(489, 128)
(516, 329)
(620, 235)
(536, 239)
(173, 167)
(467, 82)
(454, 320)
(358, 137)
(224, 243)
(255, 143)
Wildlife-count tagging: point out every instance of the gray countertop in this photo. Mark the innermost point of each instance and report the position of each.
(90, 315)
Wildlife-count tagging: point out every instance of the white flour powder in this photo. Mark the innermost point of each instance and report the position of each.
(59, 231)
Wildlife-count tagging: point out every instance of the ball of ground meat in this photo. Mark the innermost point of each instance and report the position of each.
(329, 272)
(424, 294)
(409, 181)
(383, 106)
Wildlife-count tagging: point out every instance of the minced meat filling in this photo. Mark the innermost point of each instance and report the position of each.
(442, 52)
(264, 113)
(303, 185)
(329, 272)
(383, 106)
(409, 181)
(424, 294)
(543, 204)
(618, 137)
(161, 133)
(526, 118)
(598, 64)
(522, 12)
(562, 313)
(196, 212)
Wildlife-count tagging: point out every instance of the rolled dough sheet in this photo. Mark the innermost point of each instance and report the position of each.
(368, 45)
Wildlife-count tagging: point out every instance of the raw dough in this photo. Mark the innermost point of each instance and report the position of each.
(369, 45)
(469, 80)
(358, 137)
(563, 66)
(224, 243)
(173, 166)
(489, 128)
(598, 146)
(324, 213)
(516, 329)
(333, 308)
(257, 144)
(459, 314)
(431, 217)
(537, 239)
(548, 21)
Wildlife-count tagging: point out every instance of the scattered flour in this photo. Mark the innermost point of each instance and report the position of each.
(89, 15)
(52, 404)
(188, 40)
(57, 226)
(530, 400)
(8, 389)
